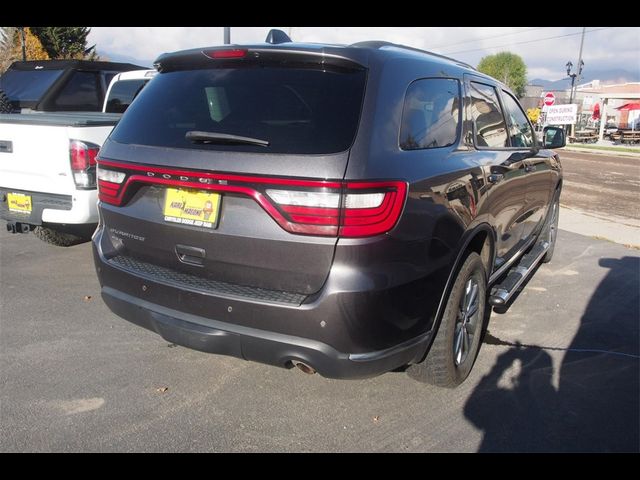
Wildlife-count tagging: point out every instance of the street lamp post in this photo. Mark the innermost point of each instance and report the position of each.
(573, 77)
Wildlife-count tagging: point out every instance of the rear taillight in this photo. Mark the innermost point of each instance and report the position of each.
(109, 182)
(310, 207)
(82, 156)
(358, 209)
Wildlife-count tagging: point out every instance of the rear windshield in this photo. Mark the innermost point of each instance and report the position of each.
(27, 85)
(296, 110)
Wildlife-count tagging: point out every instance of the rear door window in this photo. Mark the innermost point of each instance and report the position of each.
(296, 110)
(431, 114)
(490, 128)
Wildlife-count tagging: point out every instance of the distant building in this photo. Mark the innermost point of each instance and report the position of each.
(609, 98)
(532, 96)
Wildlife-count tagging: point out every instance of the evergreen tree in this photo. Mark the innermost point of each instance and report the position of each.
(63, 42)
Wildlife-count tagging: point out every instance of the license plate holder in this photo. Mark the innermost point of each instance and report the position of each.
(196, 208)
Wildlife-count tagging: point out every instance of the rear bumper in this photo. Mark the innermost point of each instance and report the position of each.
(76, 209)
(261, 346)
(339, 333)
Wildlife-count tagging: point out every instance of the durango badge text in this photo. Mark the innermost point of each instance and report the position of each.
(347, 210)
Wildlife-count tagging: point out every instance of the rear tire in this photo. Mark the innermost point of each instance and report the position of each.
(457, 342)
(5, 103)
(60, 238)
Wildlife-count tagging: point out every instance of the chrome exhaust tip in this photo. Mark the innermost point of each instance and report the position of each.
(304, 367)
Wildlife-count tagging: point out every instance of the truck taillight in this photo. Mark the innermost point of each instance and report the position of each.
(82, 156)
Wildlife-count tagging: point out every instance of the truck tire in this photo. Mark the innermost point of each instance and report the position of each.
(550, 230)
(5, 103)
(58, 237)
(457, 342)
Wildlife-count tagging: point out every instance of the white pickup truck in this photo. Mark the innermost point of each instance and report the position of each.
(48, 167)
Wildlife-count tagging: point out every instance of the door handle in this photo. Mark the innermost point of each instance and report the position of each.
(495, 177)
(190, 255)
(530, 168)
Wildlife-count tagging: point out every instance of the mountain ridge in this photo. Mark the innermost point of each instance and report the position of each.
(606, 77)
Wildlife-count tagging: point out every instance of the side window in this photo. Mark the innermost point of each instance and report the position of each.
(82, 93)
(519, 129)
(491, 131)
(122, 94)
(430, 114)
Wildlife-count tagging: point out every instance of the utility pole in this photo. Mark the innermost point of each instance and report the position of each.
(227, 35)
(573, 77)
(580, 62)
(580, 65)
(24, 47)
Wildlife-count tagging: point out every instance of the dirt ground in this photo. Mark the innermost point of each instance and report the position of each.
(603, 185)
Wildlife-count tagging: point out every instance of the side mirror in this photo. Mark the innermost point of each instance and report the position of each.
(553, 137)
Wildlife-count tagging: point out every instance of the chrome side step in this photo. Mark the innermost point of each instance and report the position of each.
(501, 293)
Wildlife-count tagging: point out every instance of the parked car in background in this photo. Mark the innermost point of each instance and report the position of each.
(47, 161)
(258, 201)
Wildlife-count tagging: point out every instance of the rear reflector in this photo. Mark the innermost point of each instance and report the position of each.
(310, 207)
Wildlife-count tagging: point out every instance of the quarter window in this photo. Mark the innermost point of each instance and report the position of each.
(490, 130)
(430, 114)
(520, 131)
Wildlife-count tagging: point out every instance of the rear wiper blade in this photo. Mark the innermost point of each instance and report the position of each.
(214, 137)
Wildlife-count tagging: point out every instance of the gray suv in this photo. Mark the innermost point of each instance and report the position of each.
(348, 210)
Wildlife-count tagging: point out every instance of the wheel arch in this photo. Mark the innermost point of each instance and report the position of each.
(480, 239)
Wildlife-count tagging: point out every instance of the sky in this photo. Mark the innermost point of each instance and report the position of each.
(545, 50)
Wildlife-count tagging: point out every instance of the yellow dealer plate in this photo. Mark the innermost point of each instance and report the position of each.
(19, 202)
(191, 207)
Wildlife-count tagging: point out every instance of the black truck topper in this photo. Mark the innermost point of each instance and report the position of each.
(60, 85)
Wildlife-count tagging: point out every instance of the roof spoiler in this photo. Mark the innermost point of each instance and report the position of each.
(276, 36)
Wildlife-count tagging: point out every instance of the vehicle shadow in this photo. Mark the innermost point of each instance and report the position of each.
(596, 407)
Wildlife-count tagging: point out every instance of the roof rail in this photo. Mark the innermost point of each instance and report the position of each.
(381, 43)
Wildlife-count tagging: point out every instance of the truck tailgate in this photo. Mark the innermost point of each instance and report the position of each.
(35, 157)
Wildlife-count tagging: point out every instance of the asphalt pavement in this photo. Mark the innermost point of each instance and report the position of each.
(559, 371)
